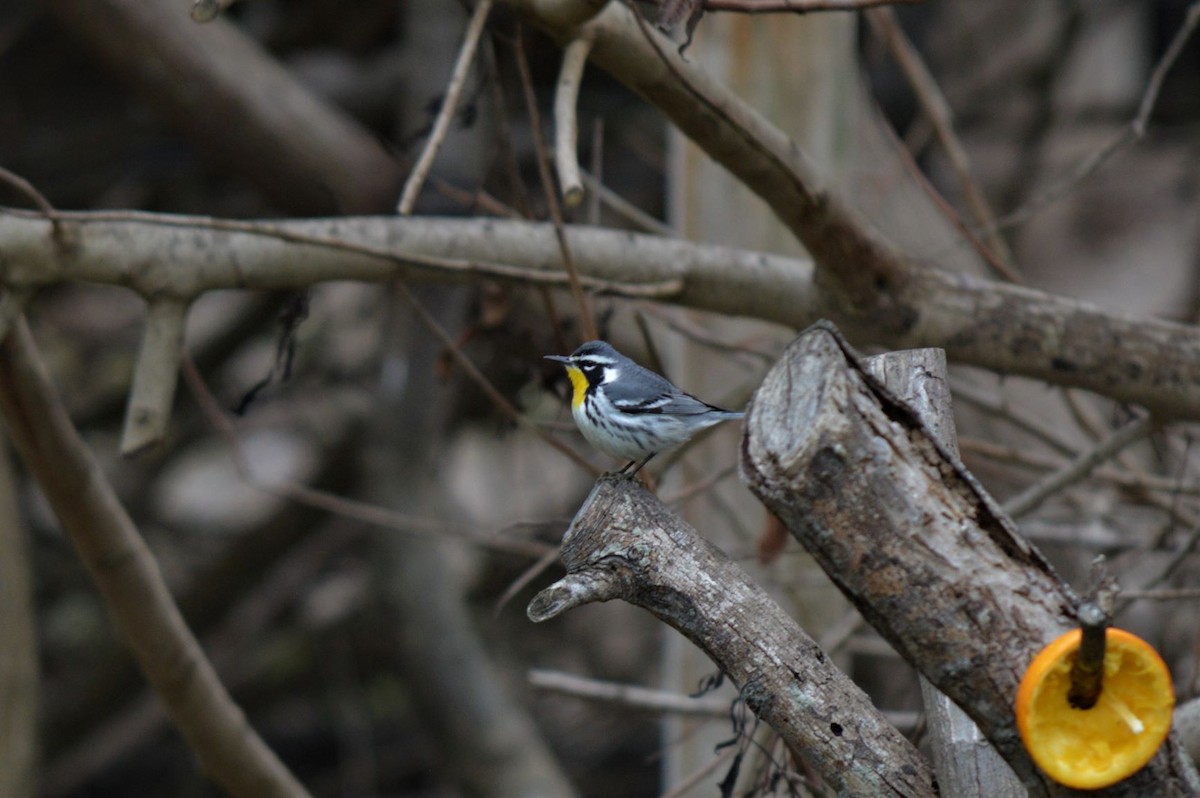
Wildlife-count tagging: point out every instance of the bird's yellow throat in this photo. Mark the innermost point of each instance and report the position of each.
(579, 383)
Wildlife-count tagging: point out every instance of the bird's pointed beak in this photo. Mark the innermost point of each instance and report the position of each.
(558, 358)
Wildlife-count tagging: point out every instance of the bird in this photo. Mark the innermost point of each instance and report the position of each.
(628, 411)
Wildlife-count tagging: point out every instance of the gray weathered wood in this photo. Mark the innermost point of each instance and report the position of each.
(624, 543)
(967, 765)
(919, 547)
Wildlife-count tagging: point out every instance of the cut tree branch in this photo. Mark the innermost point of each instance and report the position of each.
(155, 376)
(566, 124)
(624, 543)
(916, 544)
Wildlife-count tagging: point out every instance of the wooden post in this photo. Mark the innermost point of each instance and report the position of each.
(967, 765)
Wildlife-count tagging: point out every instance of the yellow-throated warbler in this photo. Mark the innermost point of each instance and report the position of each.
(629, 411)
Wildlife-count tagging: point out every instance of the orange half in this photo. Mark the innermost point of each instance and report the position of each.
(1092, 748)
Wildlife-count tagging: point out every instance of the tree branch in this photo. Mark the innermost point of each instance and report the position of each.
(441, 125)
(915, 543)
(624, 543)
(1008, 329)
(125, 572)
(566, 126)
(237, 104)
(154, 376)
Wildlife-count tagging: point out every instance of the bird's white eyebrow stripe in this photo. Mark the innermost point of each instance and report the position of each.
(594, 360)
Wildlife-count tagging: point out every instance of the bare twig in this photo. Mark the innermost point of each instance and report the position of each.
(527, 576)
(441, 125)
(626, 209)
(586, 321)
(29, 190)
(208, 10)
(1134, 131)
(154, 376)
(632, 696)
(597, 168)
(797, 6)
(128, 578)
(993, 403)
(474, 200)
(1078, 468)
(566, 123)
(339, 505)
(39, 200)
(696, 777)
(472, 371)
(937, 109)
(1162, 594)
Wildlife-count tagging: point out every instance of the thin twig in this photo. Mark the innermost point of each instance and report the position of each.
(208, 10)
(477, 200)
(798, 6)
(1177, 559)
(566, 123)
(586, 320)
(332, 503)
(937, 109)
(632, 696)
(29, 190)
(626, 209)
(1079, 468)
(906, 159)
(688, 492)
(1163, 594)
(36, 197)
(441, 125)
(472, 371)
(593, 209)
(1134, 131)
(527, 576)
(696, 777)
(993, 403)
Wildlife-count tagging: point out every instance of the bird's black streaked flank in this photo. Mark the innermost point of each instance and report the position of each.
(628, 411)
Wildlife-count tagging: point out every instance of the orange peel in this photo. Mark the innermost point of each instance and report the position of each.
(1093, 748)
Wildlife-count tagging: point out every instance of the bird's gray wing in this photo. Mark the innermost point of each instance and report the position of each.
(673, 402)
(653, 393)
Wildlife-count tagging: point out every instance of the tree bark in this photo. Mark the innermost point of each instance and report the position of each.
(967, 765)
(916, 544)
(1005, 328)
(624, 543)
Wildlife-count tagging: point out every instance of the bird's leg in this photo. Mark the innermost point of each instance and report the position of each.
(637, 465)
